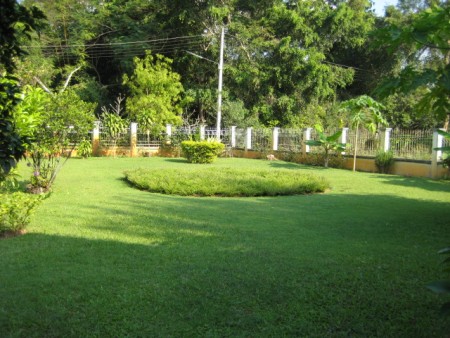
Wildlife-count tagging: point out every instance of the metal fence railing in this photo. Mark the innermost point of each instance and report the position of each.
(145, 139)
(290, 139)
(405, 144)
(240, 138)
(412, 144)
(368, 143)
(121, 140)
(262, 139)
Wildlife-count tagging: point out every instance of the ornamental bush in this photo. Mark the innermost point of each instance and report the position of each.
(201, 151)
(15, 211)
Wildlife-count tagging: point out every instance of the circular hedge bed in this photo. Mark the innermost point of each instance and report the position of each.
(226, 182)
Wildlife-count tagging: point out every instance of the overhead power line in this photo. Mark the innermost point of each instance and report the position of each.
(163, 40)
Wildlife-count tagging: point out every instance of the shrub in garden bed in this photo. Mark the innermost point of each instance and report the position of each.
(384, 161)
(201, 151)
(226, 182)
(15, 211)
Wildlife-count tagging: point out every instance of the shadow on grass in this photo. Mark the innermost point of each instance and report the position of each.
(154, 265)
(415, 182)
(176, 160)
(289, 165)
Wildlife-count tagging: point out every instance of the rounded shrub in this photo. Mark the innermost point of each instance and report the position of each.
(201, 151)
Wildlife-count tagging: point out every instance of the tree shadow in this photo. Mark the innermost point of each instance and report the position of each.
(176, 160)
(296, 166)
(415, 182)
(173, 266)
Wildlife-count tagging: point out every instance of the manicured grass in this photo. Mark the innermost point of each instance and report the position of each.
(226, 182)
(104, 259)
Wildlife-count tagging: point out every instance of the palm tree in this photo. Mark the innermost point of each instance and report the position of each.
(365, 112)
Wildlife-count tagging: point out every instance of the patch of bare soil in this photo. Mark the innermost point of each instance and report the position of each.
(9, 234)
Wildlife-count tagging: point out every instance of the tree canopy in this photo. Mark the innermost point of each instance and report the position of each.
(287, 62)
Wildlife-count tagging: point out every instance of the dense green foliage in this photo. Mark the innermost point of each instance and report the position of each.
(425, 38)
(84, 148)
(227, 182)
(155, 91)
(60, 121)
(12, 145)
(287, 63)
(117, 261)
(16, 24)
(201, 151)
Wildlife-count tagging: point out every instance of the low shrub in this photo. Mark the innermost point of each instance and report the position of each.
(84, 149)
(384, 161)
(226, 182)
(15, 211)
(201, 151)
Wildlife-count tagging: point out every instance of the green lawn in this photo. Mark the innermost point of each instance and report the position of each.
(102, 258)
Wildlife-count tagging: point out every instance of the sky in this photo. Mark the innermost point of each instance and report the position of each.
(380, 4)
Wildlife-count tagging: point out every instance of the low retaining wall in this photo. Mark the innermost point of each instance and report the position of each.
(400, 167)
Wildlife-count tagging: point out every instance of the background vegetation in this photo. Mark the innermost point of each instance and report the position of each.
(287, 63)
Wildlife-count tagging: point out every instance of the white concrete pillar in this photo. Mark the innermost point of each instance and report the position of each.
(133, 139)
(275, 133)
(202, 132)
(436, 154)
(344, 137)
(233, 136)
(306, 137)
(248, 138)
(169, 130)
(96, 139)
(386, 139)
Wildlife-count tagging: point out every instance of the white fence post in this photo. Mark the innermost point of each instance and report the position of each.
(133, 139)
(436, 154)
(202, 132)
(248, 140)
(96, 139)
(386, 139)
(306, 137)
(169, 130)
(233, 136)
(343, 138)
(275, 133)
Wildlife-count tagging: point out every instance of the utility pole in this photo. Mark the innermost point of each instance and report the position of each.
(219, 96)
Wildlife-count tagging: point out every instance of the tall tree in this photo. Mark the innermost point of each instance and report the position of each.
(154, 93)
(16, 22)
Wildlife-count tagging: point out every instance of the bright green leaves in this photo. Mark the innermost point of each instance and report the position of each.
(202, 151)
(327, 143)
(155, 93)
(364, 111)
